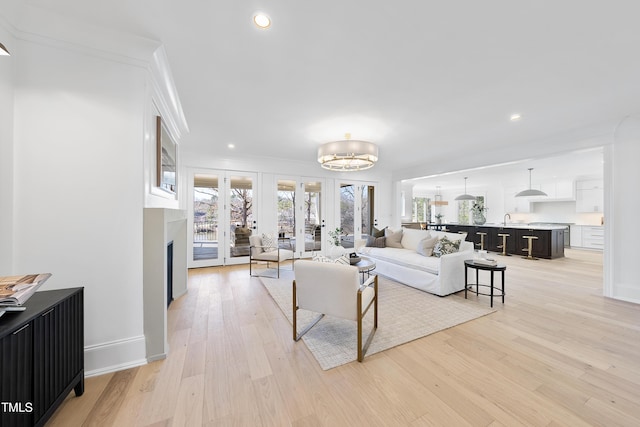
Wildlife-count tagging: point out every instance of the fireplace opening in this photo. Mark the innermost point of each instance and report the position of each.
(169, 273)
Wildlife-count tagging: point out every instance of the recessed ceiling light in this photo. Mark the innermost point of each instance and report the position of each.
(515, 117)
(262, 20)
(231, 146)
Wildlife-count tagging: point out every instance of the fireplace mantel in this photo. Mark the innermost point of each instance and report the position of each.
(162, 226)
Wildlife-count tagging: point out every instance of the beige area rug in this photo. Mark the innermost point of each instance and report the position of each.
(405, 314)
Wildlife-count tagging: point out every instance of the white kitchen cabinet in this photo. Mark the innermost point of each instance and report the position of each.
(558, 190)
(565, 190)
(589, 195)
(575, 236)
(514, 204)
(592, 237)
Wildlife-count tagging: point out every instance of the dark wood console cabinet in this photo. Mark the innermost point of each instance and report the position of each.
(41, 356)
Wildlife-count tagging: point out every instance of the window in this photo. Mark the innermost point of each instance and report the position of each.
(463, 212)
(421, 209)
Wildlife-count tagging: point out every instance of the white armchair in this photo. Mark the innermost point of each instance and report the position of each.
(334, 290)
(259, 252)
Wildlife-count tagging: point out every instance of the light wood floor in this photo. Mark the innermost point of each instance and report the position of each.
(556, 354)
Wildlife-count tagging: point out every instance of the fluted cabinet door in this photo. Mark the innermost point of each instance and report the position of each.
(58, 334)
(16, 350)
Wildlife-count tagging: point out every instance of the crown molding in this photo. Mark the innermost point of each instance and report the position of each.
(45, 28)
(165, 94)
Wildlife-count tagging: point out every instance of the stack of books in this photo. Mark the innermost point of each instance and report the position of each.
(16, 290)
(485, 261)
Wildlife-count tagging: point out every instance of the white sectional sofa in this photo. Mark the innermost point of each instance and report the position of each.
(442, 275)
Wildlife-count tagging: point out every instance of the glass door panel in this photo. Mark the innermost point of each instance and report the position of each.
(312, 216)
(357, 212)
(367, 203)
(242, 218)
(205, 220)
(286, 210)
(348, 224)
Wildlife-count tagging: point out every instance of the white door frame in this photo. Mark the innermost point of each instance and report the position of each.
(211, 262)
(253, 223)
(299, 232)
(224, 234)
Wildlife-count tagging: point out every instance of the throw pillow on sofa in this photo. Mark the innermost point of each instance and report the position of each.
(376, 242)
(393, 238)
(380, 242)
(377, 233)
(411, 237)
(446, 246)
(425, 246)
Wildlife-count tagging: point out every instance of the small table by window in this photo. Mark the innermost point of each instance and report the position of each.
(492, 288)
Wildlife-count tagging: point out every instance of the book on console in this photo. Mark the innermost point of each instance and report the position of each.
(15, 290)
(485, 261)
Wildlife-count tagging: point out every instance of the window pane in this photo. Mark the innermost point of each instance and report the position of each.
(205, 217)
(241, 214)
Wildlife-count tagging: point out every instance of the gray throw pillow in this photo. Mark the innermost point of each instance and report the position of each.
(379, 242)
(377, 233)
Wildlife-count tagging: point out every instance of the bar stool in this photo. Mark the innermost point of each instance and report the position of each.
(504, 244)
(481, 244)
(529, 247)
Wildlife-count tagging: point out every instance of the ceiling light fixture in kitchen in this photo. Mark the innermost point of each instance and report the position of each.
(465, 196)
(531, 192)
(437, 199)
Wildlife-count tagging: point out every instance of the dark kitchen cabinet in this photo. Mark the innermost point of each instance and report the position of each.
(549, 243)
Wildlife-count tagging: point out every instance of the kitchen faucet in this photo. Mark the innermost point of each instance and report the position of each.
(504, 222)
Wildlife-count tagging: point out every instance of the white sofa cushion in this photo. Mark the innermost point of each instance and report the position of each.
(404, 257)
(425, 246)
(393, 238)
(274, 255)
(256, 242)
(411, 237)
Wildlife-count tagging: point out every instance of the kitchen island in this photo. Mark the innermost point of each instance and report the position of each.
(549, 243)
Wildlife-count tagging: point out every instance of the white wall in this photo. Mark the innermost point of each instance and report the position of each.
(622, 206)
(6, 152)
(79, 189)
(562, 212)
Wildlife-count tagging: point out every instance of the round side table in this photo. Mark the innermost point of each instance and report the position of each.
(469, 263)
(365, 266)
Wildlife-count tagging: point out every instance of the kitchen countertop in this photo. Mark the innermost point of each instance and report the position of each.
(515, 225)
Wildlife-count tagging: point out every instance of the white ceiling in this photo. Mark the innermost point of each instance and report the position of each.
(427, 81)
(570, 166)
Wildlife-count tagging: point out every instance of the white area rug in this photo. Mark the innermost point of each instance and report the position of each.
(405, 314)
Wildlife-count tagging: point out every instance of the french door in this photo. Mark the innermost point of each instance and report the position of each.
(356, 211)
(222, 216)
(300, 215)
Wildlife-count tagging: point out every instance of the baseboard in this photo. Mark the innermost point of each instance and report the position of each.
(629, 293)
(177, 295)
(114, 356)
